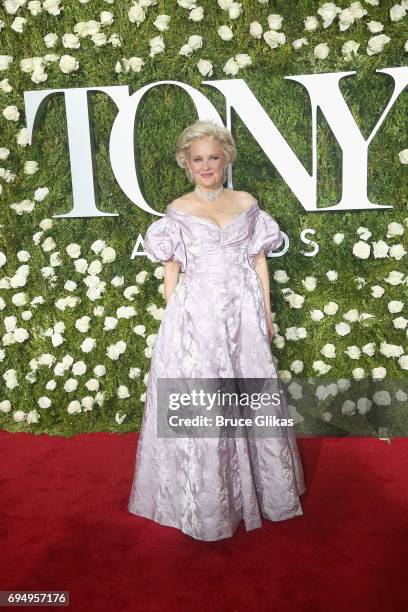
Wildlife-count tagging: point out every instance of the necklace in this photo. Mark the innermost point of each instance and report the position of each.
(212, 195)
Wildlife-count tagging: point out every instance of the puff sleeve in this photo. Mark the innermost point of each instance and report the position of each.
(163, 242)
(266, 235)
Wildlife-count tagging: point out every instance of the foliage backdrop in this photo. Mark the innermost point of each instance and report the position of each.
(62, 373)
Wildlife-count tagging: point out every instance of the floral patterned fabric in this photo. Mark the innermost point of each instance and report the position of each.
(214, 327)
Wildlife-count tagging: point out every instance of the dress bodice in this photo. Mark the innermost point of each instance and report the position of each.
(201, 246)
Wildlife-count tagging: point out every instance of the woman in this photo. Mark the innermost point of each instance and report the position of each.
(217, 325)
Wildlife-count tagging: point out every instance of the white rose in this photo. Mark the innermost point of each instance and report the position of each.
(320, 367)
(332, 275)
(295, 300)
(342, 329)
(394, 278)
(224, 4)
(196, 14)
(338, 238)
(81, 265)
(71, 384)
(378, 373)
(136, 14)
(375, 27)
(99, 370)
(33, 417)
(92, 384)
(275, 22)
(273, 39)
(361, 250)
(395, 229)
(5, 406)
(348, 407)
(353, 352)
(297, 366)
(73, 250)
(309, 283)
(11, 113)
(18, 24)
(397, 12)
(380, 249)
(120, 417)
(364, 233)
(44, 402)
(122, 392)
(136, 63)
(106, 18)
(162, 22)
(358, 373)
(70, 41)
(231, 67)
(205, 67)
(395, 306)
(139, 330)
(357, 10)
(403, 362)
(331, 308)
(328, 12)
(5, 61)
(195, 41)
(400, 322)
(74, 407)
(68, 64)
(321, 51)
(299, 43)
(243, 60)
(382, 398)
(376, 43)
(19, 416)
(50, 40)
(391, 350)
(369, 349)
(403, 155)
(99, 39)
(316, 315)
(363, 405)
(95, 267)
(377, 291)
(235, 10)
(225, 32)
(349, 49)
(346, 18)
(52, 7)
(88, 345)
(351, 315)
(255, 29)
(329, 351)
(397, 251)
(108, 255)
(311, 23)
(87, 403)
(134, 373)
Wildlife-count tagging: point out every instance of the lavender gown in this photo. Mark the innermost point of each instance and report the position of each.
(213, 326)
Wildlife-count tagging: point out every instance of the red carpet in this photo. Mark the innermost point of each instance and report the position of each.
(65, 525)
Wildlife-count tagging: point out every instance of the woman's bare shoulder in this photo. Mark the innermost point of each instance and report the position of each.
(182, 203)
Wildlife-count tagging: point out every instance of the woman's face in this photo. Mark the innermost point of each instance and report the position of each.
(206, 162)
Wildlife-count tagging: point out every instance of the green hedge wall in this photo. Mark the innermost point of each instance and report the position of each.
(38, 364)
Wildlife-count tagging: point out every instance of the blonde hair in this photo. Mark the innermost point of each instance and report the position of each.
(201, 129)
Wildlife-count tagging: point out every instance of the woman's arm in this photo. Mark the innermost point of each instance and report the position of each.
(171, 278)
(261, 268)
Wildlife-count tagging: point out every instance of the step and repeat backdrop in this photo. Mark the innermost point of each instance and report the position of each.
(93, 97)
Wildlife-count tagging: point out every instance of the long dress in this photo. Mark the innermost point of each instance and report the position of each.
(213, 326)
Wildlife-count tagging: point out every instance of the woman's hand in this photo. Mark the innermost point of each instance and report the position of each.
(269, 326)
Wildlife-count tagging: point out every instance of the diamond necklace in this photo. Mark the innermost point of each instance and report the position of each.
(212, 195)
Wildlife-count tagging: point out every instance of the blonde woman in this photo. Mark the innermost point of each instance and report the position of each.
(216, 326)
